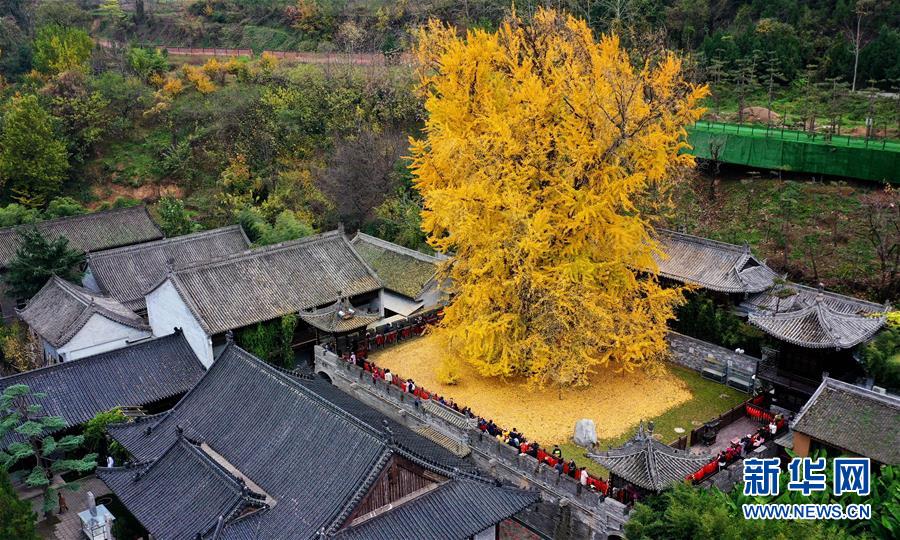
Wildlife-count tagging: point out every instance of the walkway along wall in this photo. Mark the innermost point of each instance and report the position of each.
(583, 513)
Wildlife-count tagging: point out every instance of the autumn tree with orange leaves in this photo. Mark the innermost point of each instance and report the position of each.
(541, 147)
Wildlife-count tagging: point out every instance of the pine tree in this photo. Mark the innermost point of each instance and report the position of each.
(23, 416)
(541, 145)
(37, 260)
(16, 518)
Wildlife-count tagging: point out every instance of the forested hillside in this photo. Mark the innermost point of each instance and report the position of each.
(288, 148)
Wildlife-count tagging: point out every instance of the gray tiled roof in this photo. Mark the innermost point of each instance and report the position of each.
(648, 463)
(465, 508)
(89, 232)
(183, 492)
(710, 264)
(126, 273)
(136, 375)
(814, 318)
(60, 309)
(265, 283)
(312, 448)
(854, 419)
(402, 270)
(327, 319)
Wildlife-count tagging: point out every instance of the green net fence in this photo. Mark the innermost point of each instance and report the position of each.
(788, 150)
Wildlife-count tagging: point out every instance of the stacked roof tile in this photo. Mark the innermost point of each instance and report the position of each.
(713, 265)
(265, 283)
(648, 463)
(853, 419)
(314, 450)
(136, 375)
(89, 232)
(814, 318)
(126, 273)
(402, 270)
(60, 309)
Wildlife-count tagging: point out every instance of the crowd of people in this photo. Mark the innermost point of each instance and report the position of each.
(738, 449)
(358, 355)
(514, 437)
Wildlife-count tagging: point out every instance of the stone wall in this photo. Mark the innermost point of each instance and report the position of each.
(693, 353)
(584, 514)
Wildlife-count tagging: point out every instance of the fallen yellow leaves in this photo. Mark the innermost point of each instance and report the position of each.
(615, 401)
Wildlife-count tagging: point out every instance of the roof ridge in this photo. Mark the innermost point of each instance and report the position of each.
(73, 364)
(80, 217)
(888, 399)
(832, 294)
(397, 248)
(258, 252)
(701, 240)
(101, 254)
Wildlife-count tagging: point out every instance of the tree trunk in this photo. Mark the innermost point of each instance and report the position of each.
(856, 50)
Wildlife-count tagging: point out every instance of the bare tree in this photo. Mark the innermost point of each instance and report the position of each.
(863, 9)
(881, 215)
(362, 174)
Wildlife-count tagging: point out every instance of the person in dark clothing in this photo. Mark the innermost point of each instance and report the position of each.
(559, 467)
(557, 452)
(573, 468)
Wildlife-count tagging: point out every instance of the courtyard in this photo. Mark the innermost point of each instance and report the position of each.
(677, 400)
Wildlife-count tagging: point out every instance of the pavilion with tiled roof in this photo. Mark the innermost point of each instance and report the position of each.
(845, 418)
(712, 265)
(814, 318)
(126, 273)
(307, 461)
(73, 322)
(409, 276)
(339, 318)
(812, 332)
(647, 463)
(137, 375)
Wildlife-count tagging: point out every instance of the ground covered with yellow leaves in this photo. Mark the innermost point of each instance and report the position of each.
(616, 402)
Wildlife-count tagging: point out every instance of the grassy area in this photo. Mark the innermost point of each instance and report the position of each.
(616, 402)
(816, 232)
(709, 400)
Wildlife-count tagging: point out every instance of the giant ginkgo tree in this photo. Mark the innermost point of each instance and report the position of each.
(541, 146)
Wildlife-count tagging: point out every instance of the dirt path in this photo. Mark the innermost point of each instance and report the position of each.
(357, 59)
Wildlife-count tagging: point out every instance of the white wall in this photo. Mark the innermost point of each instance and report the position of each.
(167, 311)
(99, 335)
(89, 282)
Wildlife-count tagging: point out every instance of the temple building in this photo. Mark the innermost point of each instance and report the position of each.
(645, 465)
(86, 232)
(312, 277)
(410, 277)
(126, 273)
(141, 375)
(728, 270)
(304, 461)
(844, 419)
(813, 333)
(72, 322)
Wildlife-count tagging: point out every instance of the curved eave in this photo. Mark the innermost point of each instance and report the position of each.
(765, 323)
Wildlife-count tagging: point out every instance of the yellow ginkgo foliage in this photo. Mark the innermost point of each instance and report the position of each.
(540, 146)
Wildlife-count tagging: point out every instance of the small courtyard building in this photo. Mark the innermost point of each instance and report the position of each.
(645, 465)
(410, 277)
(845, 419)
(146, 373)
(72, 322)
